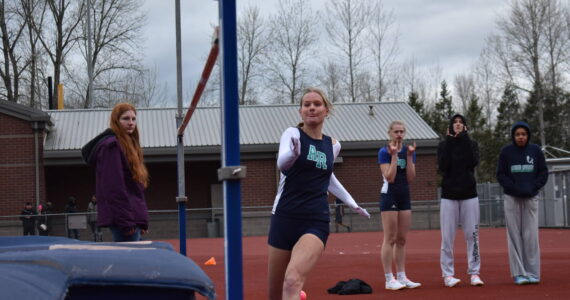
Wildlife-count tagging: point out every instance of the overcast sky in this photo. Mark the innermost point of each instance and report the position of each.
(450, 33)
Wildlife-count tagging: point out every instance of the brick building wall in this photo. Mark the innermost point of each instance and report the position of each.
(360, 175)
(260, 185)
(17, 165)
(362, 178)
(79, 182)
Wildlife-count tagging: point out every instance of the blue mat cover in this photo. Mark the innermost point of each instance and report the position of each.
(38, 267)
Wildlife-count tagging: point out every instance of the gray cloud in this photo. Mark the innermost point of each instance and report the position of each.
(447, 32)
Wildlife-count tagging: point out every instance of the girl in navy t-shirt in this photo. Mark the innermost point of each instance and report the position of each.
(397, 163)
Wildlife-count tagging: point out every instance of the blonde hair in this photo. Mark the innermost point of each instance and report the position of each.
(321, 93)
(129, 143)
(394, 123)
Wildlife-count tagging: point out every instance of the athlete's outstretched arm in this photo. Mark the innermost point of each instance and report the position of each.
(336, 188)
(289, 149)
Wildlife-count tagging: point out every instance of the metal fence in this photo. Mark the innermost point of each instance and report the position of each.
(553, 212)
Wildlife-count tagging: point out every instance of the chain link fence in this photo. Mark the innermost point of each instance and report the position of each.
(553, 212)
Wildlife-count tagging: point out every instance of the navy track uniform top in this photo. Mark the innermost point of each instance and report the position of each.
(401, 180)
(303, 188)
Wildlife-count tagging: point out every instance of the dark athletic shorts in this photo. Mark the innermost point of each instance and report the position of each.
(395, 200)
(285, 232)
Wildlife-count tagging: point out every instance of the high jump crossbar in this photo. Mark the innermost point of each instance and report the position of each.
(212, 57)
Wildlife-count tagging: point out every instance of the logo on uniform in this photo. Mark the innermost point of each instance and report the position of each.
(529, 160)
(317, 156)
(401, 163)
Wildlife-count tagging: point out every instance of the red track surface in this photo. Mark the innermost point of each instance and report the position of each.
(357, 255)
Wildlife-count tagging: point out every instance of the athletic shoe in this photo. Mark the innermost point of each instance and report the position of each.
(451, 281)
(476, 280)
(394, 285)
(409, 284)
(533, 279)
(521, 280)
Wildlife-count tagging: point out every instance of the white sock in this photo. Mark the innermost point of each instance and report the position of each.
(389, 276)
(401, 275)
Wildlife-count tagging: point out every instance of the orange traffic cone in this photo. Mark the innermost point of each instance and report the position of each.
(210, 262)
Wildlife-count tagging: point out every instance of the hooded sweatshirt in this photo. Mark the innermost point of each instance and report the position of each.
(120, 199)
(522, 171)
(457, 158)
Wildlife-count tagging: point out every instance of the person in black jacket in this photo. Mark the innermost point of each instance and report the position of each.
(71, 208)
(522, 172)
(28, 219)
(44, 221)
(457, 158)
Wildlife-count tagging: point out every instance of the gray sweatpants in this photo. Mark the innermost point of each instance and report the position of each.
(451, 214)
(521, 216)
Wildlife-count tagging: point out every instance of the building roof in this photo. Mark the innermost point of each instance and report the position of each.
(352, 124)
(23, 112)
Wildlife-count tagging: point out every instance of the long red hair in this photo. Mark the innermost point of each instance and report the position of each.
(129, 143)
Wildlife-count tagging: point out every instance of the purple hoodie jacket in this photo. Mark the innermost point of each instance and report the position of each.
(120, 198)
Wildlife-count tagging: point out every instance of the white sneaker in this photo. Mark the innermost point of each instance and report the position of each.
(476, 280)
(451, 281)
(394, 285)
(409, 284)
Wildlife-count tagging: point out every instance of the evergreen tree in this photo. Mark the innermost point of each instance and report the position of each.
(474, 115)
(443, 110)
(509, 113)
(489, 149)
(484, 136)
(417, 105)
(553, 123)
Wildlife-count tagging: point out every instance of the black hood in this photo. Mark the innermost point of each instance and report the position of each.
(451, 122)
(520, 124)
(87, 150)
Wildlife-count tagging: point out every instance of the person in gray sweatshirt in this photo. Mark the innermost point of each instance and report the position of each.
(522, 172)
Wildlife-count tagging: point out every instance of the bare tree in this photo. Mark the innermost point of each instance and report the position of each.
(487, 84)
(500, 53)
(524, 31)
(33, 12)
(117, 40)
(411, 76)
(60, 36)
(252, 43)
(346, 25)
(384, 45)
(435, 78)
(12, 28)
(464, 89)
(557, 43)
(413, 79)
(292, 40)
(142, 89)
(330, 79)
(365, 86)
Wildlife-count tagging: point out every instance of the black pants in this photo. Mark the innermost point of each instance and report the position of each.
(95, 231)
(73, 234)
(29, 230)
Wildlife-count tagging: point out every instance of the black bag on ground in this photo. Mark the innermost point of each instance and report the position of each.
(351, 287)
